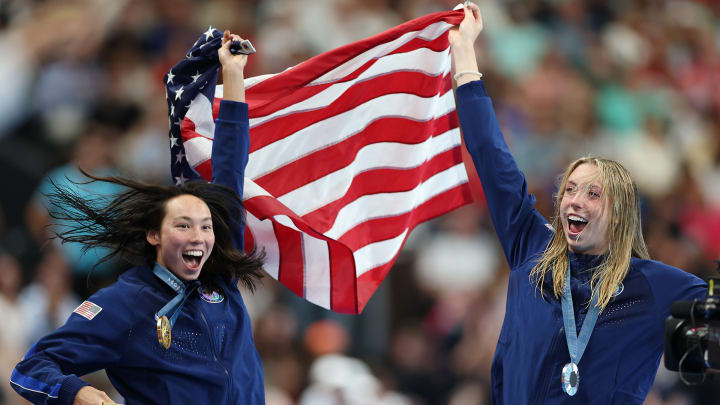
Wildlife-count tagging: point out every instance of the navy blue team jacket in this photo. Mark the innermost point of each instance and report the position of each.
(212, 359)
(623, 354)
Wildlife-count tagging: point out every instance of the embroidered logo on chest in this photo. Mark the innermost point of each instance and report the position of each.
(620, 288)
(210, 296)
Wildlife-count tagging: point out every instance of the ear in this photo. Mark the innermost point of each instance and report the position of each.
(153, 237)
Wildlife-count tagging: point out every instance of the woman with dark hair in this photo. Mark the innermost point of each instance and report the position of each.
(586, 306)
(174, 329)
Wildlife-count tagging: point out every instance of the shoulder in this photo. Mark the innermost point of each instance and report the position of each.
(669, 282)
(120, 301)
(659, 272)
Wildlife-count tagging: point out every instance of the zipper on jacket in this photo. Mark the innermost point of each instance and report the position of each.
(215, 355)
(545, 386)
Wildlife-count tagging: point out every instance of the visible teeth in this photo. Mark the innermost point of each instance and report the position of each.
(576, 218)
(197, 253)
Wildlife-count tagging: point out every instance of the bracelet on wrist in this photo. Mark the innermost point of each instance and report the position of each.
(467, 72)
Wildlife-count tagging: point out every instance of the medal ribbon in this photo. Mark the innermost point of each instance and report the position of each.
(577, 345)
(175, 305)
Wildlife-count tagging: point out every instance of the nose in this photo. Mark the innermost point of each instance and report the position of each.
(577, 199)
(196, 235)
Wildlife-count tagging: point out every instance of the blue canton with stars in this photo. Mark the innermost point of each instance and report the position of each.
(195, 74)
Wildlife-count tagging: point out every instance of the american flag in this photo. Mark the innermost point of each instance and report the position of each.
(349, 151)
(88, 310)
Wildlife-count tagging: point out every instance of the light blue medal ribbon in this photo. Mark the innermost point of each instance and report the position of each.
(576, 345)
(173, 307)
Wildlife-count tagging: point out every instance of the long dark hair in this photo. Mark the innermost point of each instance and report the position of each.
(121, 221)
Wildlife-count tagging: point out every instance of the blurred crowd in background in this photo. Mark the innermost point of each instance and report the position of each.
(634, 80)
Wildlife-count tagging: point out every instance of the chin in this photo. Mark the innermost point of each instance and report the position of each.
(191, 274)
(576, 247)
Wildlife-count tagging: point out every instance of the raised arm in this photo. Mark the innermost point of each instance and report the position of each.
(521, 229)
(231, 142)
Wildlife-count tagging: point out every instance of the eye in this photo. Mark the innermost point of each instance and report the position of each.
(594, 194)
(570, 189)
(183, 226)
(207, 227)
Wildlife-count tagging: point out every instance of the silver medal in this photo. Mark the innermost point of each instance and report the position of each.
(570, 378)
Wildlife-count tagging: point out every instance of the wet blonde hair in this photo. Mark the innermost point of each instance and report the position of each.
(624, 233)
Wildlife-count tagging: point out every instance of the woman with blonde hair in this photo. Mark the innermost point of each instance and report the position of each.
(586, 306)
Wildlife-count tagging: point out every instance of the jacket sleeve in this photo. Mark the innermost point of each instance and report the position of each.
(230, 151)
(49, 372)
(522, 231)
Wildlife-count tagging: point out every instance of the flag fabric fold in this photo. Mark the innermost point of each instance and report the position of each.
(349, 151)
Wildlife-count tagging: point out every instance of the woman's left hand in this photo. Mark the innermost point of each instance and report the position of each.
(232, 69)
(227, 59)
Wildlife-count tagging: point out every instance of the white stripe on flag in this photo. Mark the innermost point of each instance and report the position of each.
(421, 60)
(200, 113)
(429, 33)
(333, 186)
(197, 150)
(317, 270)
(342, 126)
(383, 205)
(264, 235)
(376, 254)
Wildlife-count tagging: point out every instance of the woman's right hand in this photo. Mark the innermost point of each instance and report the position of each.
(91, 396)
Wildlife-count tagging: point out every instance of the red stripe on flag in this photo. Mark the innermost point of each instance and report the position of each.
(343, 296)
(249, 240)
(204, 169)
(389, 227)
(335, 157)
(291, 258)
(269, 106)
(381, 181)
(415, 83)
(311, 69)
(368, 282)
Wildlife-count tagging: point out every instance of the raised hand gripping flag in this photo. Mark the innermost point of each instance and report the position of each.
(349, 151)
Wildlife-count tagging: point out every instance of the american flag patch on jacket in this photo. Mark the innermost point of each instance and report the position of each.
(88, 310)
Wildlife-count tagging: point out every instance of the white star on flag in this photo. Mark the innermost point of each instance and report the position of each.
(170, 78)
(179, 93)
(209, 33)
(180, 180)
(179, 157)
(173, 141)
(196, 76)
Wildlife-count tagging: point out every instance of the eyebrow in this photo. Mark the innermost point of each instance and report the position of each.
(187, 218)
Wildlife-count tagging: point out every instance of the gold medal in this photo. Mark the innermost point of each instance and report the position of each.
(164, 332)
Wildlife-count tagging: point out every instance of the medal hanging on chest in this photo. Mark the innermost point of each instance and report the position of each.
(163, 323)
(164, 331)
(570, 377)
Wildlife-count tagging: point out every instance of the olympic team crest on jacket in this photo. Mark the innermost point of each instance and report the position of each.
(620, 288)
(210, 295)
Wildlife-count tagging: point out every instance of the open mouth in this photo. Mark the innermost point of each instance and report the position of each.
(576, 223)
(192, 258)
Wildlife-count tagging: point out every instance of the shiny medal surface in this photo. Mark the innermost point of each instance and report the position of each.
(570, 378)
(164, 332)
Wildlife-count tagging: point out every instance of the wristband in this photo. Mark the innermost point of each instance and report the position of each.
(467, 72)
